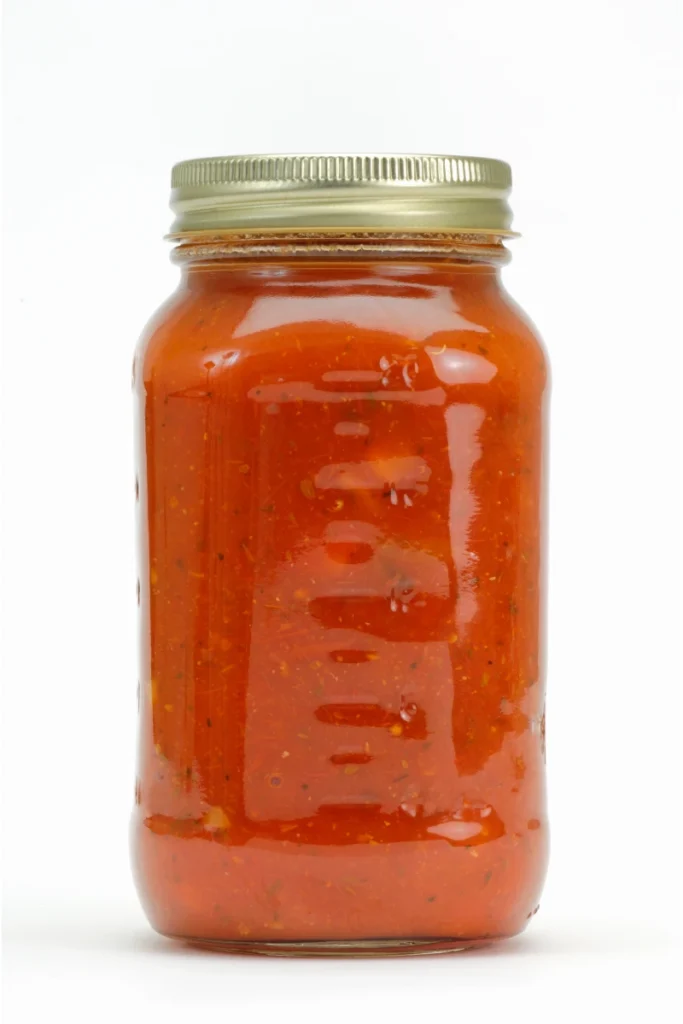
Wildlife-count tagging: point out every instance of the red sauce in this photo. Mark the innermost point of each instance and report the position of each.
(341, 696)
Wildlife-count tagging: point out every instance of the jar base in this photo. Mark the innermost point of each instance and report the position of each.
(341, 948)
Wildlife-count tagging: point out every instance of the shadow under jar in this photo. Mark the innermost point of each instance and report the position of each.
(340, 480)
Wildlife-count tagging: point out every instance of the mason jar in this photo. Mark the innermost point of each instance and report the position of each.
(340, 494)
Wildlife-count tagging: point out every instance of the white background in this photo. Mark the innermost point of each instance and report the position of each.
(102, 97)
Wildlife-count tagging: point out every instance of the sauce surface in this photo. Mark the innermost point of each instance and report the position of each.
(340, 496)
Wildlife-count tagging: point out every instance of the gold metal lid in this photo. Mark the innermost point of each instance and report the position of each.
(390, 193)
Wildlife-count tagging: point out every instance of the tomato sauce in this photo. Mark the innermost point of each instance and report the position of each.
(340, 495)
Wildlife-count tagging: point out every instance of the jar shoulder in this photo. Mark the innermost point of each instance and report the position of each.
(451, 327)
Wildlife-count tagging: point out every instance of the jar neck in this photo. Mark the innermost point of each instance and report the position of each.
(481, 250)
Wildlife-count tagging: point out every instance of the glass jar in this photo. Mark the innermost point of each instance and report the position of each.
(340, 477)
